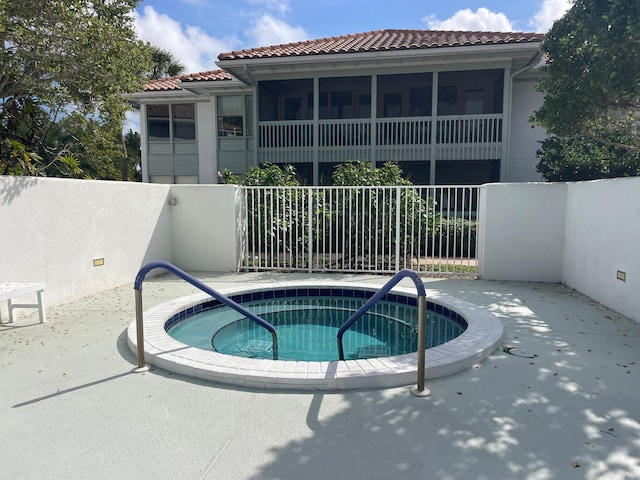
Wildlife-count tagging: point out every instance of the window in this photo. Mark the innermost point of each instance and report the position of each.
(345, 97)
(158, 122)
(341, 104)
(293, 108)
(230, 116)
(474, 102)
(420, 102)
(364, 106)
(184, 121)
(171, 122)
(248, 107)
(392, 104)
(285, 100)
(235, 115)
(404, 95)
(470, 92)
(172, 150)
(447, 99)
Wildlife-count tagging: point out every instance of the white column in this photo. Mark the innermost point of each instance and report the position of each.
(144, 144)
(373, 138)
(506, 125)
(256, 122)
(316, 129)
(434, 128)
(207, 161)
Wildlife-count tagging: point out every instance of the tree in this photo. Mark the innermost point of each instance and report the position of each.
(65, 68)
(382, 210)
(164, 64)
(364, 174)
(592, 79)
(270, 175)
(132, 143)
(580, 158)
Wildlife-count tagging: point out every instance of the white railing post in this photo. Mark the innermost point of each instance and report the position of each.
(310, 228)
(420, 390)
(398, 230)
(142, 367)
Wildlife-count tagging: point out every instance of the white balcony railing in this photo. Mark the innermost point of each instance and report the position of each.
(403, 139)
(343, 140)
(459, 137)
(469, 137)
(285, 142)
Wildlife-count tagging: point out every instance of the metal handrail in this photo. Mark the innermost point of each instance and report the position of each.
(422, 311)
(198, 284)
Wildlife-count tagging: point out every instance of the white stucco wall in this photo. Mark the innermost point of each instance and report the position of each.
(524, 141)
(207, 161)
(602, 237)
(52, 229)
(521, 235)
(204, 224)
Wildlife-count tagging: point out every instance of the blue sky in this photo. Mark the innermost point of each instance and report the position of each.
(196, 31)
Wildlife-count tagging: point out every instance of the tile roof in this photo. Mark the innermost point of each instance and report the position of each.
(173, 83)
(384, 40)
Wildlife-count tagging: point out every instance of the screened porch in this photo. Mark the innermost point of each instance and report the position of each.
(415, 117)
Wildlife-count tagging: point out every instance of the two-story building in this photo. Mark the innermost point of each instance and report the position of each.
(449, 107)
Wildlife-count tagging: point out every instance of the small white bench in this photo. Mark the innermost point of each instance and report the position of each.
(9, 291)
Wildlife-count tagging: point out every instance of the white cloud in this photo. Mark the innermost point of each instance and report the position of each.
(481, 20)
(268, 30)
(281, 6)
(192, 46)
(197, 3)
(548, 12)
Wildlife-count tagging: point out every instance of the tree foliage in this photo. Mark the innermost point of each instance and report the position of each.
(271, 175)
(164, 64)
(364, 174)
(65, 67)
(592, 81)
(579, 158)
(266, 175)
(134, 160)
(403, 210)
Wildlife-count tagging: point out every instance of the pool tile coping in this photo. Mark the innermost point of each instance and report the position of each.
(482, 336)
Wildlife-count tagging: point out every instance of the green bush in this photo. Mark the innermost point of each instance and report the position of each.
(461, 235)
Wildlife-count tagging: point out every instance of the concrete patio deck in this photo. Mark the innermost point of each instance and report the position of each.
(70, 408)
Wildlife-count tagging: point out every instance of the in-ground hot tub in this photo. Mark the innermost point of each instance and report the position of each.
(466, 335)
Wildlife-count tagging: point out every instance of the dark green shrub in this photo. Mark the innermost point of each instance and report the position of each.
(454, 238)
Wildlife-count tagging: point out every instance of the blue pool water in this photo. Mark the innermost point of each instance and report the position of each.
(307, 326)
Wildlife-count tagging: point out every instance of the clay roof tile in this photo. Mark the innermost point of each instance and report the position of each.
(173, 83)
(383, 40)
